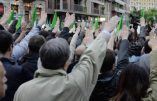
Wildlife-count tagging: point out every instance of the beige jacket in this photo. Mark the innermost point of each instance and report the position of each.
(152, 91)
(57, 85)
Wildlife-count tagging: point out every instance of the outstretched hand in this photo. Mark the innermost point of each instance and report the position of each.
(78, 29)
(124, 33)
(69, 20)
(43, 18)
(111, 24)
(6, 15)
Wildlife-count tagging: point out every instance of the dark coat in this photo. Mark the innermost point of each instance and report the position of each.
(29, 66)
(13, 74)
(107, 83)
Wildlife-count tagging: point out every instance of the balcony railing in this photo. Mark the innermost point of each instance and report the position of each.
(76, 7)
(95, 11)
(102, 12)
(120, 10)
(65, 6)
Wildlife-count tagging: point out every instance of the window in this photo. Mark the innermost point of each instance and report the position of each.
(49, 4)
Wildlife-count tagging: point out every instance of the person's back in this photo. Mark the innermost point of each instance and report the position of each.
(14, 78)
(107, 83)
(29, 66)
(29, 61)
(51, 86)
(105, 87)
(13, 71)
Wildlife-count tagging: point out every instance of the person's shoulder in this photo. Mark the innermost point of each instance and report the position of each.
(11, 65)
(26, 85)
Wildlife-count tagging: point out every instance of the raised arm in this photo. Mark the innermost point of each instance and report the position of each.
(23, 32)
(86, 71)
(3, 20)
(21, 48)
(123, 56)
(152, 91)
(142, 31)
(69, 19)
(111, 41)
(142, 28)
(73, 44)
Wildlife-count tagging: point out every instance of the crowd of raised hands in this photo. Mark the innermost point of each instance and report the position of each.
(85, 63)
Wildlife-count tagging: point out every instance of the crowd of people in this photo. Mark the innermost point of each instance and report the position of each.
(87, 64)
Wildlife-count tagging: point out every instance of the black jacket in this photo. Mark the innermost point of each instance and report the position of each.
(29, 66)
(13, 74)
(107, 83)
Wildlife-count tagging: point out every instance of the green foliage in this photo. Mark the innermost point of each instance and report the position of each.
(150, 15)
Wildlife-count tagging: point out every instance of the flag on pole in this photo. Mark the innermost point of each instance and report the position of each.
(96, 24)
(54, 21)
(62, 25)
(19, 23)
(11, 17)
(120, 24)
(34, 15)
(72, 25)
(142, 12)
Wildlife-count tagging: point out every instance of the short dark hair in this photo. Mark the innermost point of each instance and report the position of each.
(54, 53)
(35, 43)
(108, 62)
(6, 40)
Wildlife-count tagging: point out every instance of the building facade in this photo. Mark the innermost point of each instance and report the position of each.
(120, 6)
(23, 7)
(146, 4)
(82, 8)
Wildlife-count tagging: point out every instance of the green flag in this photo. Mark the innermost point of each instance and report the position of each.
(142, 12)
(54, 21)
(61, 25)
(72, 25)
(34, 15)
(11, 17)
(120, 24)
(96, 24)
(19, 23)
